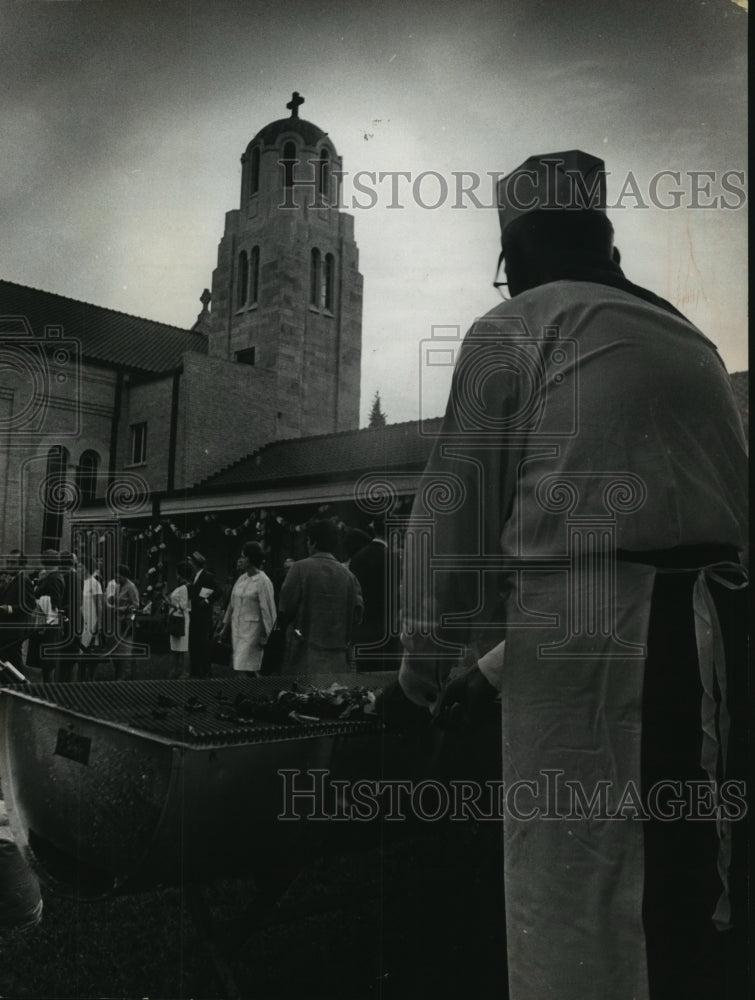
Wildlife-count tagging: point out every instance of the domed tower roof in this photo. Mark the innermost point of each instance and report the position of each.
(310, 134)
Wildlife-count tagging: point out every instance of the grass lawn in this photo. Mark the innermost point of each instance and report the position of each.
(417, 919)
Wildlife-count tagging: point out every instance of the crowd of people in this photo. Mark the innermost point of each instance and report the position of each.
(66, 619)
(324, 615)
(63, 619)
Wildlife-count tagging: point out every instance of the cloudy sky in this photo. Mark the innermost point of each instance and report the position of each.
(123, 123)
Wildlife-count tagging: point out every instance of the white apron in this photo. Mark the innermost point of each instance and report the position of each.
(574, 875)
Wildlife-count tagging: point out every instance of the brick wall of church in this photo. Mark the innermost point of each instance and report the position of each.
(148, 403)
(313, 352)
(224, 415)
(76, 414)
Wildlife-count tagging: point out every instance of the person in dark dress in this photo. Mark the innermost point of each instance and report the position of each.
(203, 592)
(375, 647)
(71, 620)
(16, 605)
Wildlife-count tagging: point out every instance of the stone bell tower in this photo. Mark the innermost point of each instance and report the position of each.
(287, 292)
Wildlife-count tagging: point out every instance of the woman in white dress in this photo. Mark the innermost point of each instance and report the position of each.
(91, 614)
(178, 600)
(250, 614)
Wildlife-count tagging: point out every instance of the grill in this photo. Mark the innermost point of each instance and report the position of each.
(194, 713)
(115, 787)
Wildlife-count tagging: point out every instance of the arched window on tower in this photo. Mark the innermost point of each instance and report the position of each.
(328, 279)
(314, 278)
(86, 475)
(54, 496)
(254, 171)
(243, 279)
(254, 275)
(323, 176)
(288, 160)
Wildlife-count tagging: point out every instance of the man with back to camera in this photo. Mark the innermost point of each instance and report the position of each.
(587, 553)
(320, 603)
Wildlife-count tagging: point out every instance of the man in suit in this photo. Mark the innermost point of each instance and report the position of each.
(320, 602)
(375, 647)
(203, 592)
(16, 604)
(71, 621)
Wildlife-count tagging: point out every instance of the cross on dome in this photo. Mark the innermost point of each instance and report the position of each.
(294, 104)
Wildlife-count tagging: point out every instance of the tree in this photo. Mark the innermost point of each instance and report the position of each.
(377, 417)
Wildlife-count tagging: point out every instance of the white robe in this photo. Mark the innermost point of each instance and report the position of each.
(582, 420)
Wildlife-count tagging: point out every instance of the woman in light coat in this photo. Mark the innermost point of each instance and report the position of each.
(250, 614)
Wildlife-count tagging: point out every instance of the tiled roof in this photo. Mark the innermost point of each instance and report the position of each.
(397, 446)
(106, 336)
(327, 456)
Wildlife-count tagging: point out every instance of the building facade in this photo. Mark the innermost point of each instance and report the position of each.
(101, 413)
(144, 441)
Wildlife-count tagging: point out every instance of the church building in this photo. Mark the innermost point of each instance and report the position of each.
(111, 422)
(121, 437)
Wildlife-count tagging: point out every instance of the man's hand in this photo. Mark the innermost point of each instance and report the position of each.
(465, 702)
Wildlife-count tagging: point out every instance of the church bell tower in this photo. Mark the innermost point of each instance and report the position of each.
(287, 292)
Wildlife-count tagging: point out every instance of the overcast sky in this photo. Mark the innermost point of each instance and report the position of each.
(122, 126)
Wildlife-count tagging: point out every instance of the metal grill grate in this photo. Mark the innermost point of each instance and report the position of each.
(200, 712)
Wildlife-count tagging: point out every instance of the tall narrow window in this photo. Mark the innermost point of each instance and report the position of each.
(323, 176)
(254, 171)
(243, 279)
(138, 443)
(254, 275)
(288, 160)
(86, 475)
(328, 277)
(314, 278)
(54, 496)
(335, 187)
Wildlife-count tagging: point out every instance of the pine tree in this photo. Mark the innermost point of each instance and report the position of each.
(377, 417)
